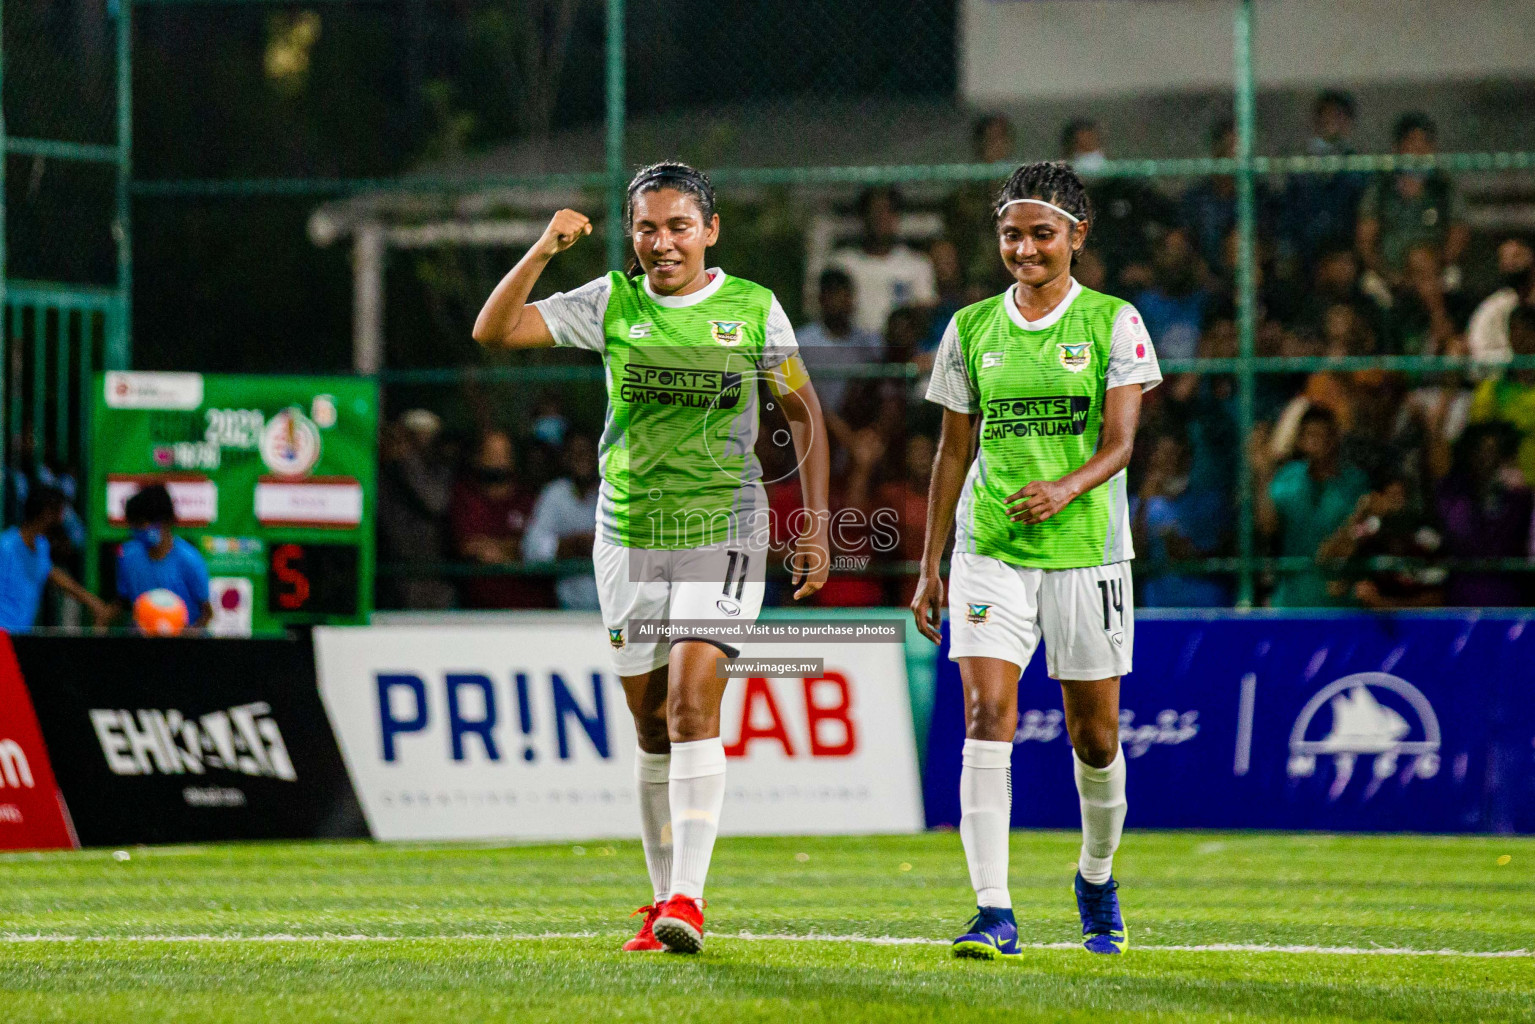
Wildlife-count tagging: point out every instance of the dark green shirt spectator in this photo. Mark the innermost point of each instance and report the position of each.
(1310, 511)
(1409, 215)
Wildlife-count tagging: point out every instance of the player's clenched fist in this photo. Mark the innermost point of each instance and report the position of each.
(564, 228)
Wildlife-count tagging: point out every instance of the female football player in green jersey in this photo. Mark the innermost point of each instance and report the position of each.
(1051, 374)
(682, 531)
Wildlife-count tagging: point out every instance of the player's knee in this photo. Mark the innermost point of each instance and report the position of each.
(686, 724)
(652, 735)
(689, 718)
(992, 721)
(1096, 744)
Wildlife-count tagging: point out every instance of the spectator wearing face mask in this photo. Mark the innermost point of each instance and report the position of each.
(487, 515)
(154, 558)
(565, 522)
(542, 458)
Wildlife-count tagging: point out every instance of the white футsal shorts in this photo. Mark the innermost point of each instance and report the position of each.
(1085, 616)
(719, 582)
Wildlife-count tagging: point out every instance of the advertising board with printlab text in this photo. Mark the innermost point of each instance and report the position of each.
(521, 731)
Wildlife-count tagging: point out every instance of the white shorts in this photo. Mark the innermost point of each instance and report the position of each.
(1086, 616)
(721, 581)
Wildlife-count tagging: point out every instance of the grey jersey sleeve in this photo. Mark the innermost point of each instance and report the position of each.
(950, 385)
(779, 343)
(575, 317)
(1132, 359)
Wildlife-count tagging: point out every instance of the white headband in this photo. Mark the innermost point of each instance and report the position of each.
(1040, 202)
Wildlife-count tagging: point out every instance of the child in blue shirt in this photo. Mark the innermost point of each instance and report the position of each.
(155, 558)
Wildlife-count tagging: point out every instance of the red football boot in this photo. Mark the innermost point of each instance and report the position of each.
(646, 941)
(680, 924)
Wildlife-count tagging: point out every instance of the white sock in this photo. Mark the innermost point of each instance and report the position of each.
(1102, 793)
(985, 809)
(697, 794)
(651, 774)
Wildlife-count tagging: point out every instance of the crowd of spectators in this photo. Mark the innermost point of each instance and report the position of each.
(1347, 464)
(1363, 481)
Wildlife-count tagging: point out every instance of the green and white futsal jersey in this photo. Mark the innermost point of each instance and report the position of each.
(678, 466)
(1039, 387)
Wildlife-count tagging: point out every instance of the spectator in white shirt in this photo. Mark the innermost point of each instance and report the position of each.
(565, 521)
(1487, 334)
(886, 274)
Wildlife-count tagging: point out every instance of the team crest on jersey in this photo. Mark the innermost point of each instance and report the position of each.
(977, 613)
(616, 637)
(727, 332)
(1075, 357)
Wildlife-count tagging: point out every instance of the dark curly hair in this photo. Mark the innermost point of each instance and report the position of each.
(150, 504)
(667, 174)
(1052, 181)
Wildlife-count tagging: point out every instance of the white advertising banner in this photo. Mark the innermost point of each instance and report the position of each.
(521, 731)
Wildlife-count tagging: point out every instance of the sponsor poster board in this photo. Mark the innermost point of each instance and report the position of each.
(32, 811)
(273, 478)
(521, 731)
(189, 740)
(1411, 722)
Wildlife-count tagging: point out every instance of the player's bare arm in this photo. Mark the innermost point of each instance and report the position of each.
(949, 467)
(506, 321)
(1040, 500)
(811, 561)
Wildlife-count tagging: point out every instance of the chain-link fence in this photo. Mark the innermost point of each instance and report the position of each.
(341, 183)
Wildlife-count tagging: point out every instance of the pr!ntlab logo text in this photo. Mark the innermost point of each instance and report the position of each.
(1370, 718)
(244, 739)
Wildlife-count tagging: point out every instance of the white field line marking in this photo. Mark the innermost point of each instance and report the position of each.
(872, 940)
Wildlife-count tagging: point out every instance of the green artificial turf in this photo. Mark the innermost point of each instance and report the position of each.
(450, 933)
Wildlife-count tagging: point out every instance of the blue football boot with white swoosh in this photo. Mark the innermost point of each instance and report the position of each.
(992, 935)
(1103, 927)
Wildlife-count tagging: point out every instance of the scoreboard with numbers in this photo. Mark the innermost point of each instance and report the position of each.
(273, 479)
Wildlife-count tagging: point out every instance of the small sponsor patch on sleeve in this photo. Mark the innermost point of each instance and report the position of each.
(1140, 338)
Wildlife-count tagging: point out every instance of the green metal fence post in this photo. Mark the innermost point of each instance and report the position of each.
(119, 353)
(615, 145)
(1247, 305)
(62, 393)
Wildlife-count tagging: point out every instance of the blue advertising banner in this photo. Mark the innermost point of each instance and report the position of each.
(1420, 722)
